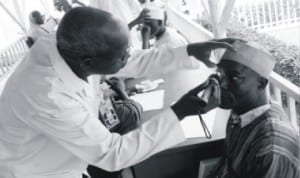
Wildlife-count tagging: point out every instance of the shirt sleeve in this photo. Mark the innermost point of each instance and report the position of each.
(157, 61)
(80, 132)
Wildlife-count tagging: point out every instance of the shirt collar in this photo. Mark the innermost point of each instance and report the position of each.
(72, 81)
(251, 115)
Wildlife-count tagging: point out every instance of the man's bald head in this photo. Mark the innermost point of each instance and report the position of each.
(88, 32)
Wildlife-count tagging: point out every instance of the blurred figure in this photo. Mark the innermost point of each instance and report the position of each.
(38, 27)
(129, 11)
(155, 28)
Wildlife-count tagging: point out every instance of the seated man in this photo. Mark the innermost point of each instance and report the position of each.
(260, 140)
(155, 28)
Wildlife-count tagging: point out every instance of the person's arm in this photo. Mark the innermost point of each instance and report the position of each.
(274, 164)
(145, 32)
(140, 19)
(274, 148)
(162, 60)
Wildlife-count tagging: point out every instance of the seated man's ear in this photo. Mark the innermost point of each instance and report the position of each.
(263, 82)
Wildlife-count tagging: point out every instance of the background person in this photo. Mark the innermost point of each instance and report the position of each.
(156, 28)
(129, 11)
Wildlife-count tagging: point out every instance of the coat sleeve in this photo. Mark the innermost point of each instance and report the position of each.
(157, 61)
(78, 130)
(275, 164)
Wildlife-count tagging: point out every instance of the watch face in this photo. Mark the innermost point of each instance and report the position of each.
(107, 114)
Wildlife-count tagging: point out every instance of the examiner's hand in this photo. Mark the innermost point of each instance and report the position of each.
(191, 104)
(214, 99)
(202, 51)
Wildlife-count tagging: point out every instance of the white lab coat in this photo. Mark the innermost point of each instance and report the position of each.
(49, 123)
(170, 38)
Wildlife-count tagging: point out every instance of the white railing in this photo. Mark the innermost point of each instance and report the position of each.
(279, 86)
(262, 14)
(11, 55)
(287, 95)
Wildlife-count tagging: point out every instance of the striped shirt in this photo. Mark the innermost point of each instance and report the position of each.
(268, 146)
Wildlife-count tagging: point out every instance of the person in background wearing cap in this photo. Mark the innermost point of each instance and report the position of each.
(155, 28)
(129, 11)
(260, 139)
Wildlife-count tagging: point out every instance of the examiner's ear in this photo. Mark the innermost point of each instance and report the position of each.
(262, 83)
(87, 63)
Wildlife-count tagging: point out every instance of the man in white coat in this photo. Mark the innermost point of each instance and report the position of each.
(49, 123)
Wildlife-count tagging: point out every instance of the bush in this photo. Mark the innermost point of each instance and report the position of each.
(287, 56)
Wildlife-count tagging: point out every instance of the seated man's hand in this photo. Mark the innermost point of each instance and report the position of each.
(191, 104)
(118, 85)
(202, 51)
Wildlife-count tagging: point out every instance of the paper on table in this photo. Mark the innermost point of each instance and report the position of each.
(192, 127)
(150, 100)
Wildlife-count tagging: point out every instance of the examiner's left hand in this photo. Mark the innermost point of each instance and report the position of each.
(202, 51)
